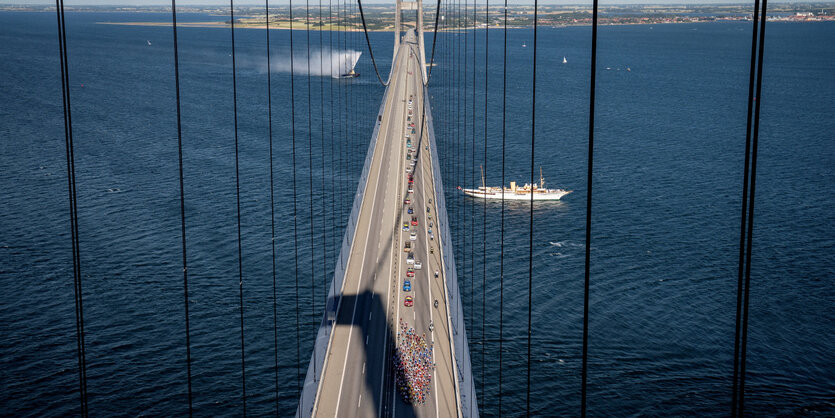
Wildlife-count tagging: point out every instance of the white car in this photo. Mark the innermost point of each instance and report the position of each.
(418, 265)
(410, 259)
(413, 236)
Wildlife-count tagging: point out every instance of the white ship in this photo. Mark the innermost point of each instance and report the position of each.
(515, 192)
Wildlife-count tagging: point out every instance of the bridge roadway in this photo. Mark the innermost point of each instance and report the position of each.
(358, 376)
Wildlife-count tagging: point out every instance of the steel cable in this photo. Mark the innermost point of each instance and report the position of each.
(295, 202)
(73, 198)
(484, 206)
(743, 216)
(750, 238)
(593, 71)
(182, 201)
(530, 236)
(238, 205)
(501, 239)
(272, 202)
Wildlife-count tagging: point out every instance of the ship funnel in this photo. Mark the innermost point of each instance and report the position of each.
(513, 186)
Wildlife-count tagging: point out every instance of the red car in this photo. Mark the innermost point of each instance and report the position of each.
(407, 201)
(408, 301)
(410, 272)
(414, 220)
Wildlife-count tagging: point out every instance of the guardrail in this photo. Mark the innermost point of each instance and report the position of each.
(307, 397)
(466, 386)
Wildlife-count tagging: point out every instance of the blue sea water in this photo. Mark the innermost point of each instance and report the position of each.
(669, 142)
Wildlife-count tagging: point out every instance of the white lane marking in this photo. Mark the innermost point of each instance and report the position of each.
(359, 402)
(363, 367)
(388, 302)
(369, 315)
(366, 340)
(359, 282)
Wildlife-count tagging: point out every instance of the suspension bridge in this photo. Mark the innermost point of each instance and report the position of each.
(398, 230)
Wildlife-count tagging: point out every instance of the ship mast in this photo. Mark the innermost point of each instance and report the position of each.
(541, 179)
(482, 177)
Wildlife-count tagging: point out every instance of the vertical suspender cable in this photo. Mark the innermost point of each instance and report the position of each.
(472, 174)
(272, 202)
(501, 233)
(310, 173)
(754, 144)
(238, 205)
(464, 166)
(71, 191)
(325, 258)
(484, 204)
(743, 217)
(182, 200)
(333, 166)
(530, 235)
(295, 202)
(593, 71)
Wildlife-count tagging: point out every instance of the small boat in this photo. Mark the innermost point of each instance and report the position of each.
(515, 192)
(564, 61)
(524, 45)
(351, 73)
(149, 42)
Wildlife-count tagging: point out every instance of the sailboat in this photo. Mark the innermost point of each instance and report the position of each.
(351, 73)
(564, 61)
(524, 45)
(515, 192)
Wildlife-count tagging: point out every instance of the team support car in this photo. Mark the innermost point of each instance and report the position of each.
(410, 272)
(405, 226)
(407, 247)
(418, 265)
(408, 302)
(407, 201)
(411, 211)
(407, 286)
(413, 237)
(414, 220)
(410, 259)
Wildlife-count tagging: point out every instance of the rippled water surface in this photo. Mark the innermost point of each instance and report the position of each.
(669, 137)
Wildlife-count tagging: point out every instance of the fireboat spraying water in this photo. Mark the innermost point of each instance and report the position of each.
(353, 63)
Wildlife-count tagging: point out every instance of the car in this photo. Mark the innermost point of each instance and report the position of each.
(405, 226)
(409, 156)
(428, 209)
(411, 182)
(429, 231)
(410, 272)
(407, 286)
(409, 169)
(407, 201)
(408, 302)
(413, 236)
(411, 190)
(413, 131)
(414, 220)
(418, 265)
(410, 210)
(410, 259)
(407, 247)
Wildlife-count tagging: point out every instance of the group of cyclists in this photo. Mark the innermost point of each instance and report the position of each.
(413, 365)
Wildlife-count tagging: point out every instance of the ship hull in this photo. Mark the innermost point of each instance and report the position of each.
(508, 195)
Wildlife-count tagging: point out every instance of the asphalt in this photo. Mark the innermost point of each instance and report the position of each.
(358, 379)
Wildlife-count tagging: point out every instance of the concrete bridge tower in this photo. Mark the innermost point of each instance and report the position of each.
(416, 5)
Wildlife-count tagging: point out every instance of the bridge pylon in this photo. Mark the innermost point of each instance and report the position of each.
(417, 5)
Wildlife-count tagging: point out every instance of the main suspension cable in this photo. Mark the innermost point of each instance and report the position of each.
(744, 214)
(593, 71)
(750, 238)
(238, 205)
(371, 52)
(182, 200)
(73, 198)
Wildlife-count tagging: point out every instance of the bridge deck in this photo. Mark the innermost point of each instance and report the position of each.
(358, 378)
